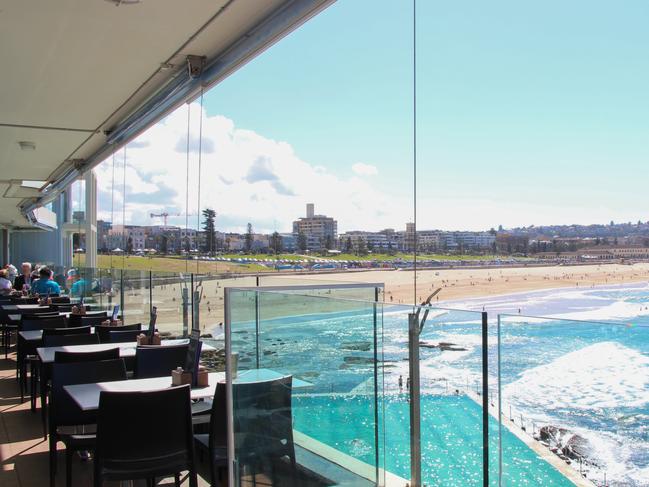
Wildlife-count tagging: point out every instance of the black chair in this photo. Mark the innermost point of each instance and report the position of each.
(19, 300)
(133, 446)
(27, 351)
(68, 357)
(94, 319)
(65, 415)
(215, 442)
(62, 308)
(42, 323)
(104, 330)
(79, 330)
(70, 340)
(40, 316)
(61, 300)
(119, 336)
(263, 428)
(158, 360)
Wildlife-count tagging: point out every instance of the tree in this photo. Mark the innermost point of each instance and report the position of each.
(348, 245)
(209, 227)
(129, 245)
(329, 242)
(163, 244)
(276, 243)
(301, 242)
(249, 238)
(361, 247)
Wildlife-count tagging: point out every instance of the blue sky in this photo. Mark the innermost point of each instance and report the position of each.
(528, 113)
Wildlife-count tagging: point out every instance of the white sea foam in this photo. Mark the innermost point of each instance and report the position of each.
(604, 375)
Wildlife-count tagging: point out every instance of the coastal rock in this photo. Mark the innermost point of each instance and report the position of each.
(357, 346)
(443, 346)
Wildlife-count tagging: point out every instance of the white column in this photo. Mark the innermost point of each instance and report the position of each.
(91, 219)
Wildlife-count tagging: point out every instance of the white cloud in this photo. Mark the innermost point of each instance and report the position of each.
(245, 177)
(363, 169)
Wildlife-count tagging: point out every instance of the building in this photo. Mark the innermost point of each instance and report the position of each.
(320, 231)
(384, 240)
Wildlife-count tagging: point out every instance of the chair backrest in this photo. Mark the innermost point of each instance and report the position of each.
(123, 336)
(161, 429)
(19, 300)
(69, 340)
(158, 360)
(103, 331)
(62, 308)
(93, 320)
(42, 323)
(38, 311)
(263, 424)
(62, 408)
(68, 357)
(219, 418)
(40, 316)
(79, 330)
(61, 300)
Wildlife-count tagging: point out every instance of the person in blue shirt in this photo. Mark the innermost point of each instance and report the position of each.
(79, 284)
(44, 284)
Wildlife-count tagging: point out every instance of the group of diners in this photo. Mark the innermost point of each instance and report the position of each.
(38, 280)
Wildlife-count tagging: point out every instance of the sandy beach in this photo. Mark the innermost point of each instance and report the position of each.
(455, 284)
(473, 283)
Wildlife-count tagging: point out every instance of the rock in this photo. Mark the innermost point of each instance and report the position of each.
(357, 346)
(207, 335)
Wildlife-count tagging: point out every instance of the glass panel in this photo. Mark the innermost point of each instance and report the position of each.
(135, 287)
(327, 348)
(575, 391)
(172, 297)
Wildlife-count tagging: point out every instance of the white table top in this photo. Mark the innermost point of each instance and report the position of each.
(87, 395)
(127, 349)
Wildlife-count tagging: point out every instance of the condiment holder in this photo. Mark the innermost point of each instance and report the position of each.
(181, 377)
(76, 310)
(110, 322)
(142, 339)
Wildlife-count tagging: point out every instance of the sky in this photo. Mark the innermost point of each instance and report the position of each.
(527, 113)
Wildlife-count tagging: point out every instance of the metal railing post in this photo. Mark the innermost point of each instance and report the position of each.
(121, 295)
(485, 399)
(257, 321)
(376, 384)
(150, 293)
(415, 398)
(500, 411)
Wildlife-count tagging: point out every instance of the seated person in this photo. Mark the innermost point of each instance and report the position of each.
(79, 284)
(25, 277)
(44, 284)
(5, 283)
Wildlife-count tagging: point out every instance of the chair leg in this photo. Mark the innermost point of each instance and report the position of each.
(68, 466)
(193, 479)
(52, 460)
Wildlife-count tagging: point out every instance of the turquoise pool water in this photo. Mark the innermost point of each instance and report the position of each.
(451, 439)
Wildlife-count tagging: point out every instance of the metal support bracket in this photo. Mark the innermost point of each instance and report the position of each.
(195, 65)
(415, 400)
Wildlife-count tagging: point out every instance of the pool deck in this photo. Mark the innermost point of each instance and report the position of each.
(536, 446)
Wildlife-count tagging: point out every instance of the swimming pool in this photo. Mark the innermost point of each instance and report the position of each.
(451, 439)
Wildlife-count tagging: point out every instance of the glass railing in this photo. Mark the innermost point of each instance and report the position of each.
(358, 398)
(576, 393)
(305, 391)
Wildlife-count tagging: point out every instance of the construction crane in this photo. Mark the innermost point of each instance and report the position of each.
(164, 215)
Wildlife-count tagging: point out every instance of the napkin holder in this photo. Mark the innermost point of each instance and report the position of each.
(45, 301)
(142, 339)
(78, 310)
(203, 379)
(110, 322)
(179, 377)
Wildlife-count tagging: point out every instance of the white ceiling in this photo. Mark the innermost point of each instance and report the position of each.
(73, 69)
